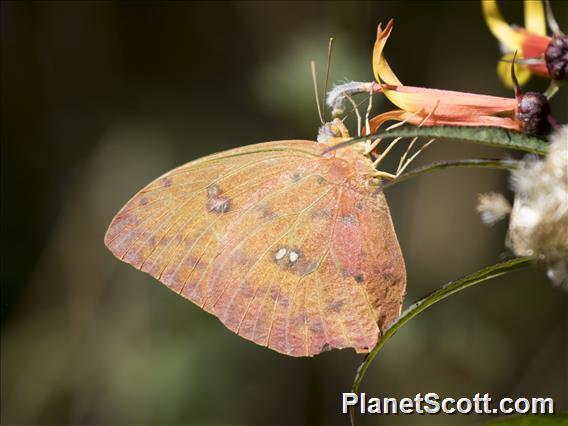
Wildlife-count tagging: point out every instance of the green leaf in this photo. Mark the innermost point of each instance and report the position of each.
(440, 294)
(485, 135)
(550, 420)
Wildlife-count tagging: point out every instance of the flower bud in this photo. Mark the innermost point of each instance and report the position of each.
(556, 57)
(533, 113)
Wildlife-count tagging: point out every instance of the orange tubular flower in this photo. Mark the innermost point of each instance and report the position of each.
(539, 54)
(422, 106)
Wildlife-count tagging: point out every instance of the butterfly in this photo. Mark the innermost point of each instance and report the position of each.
(289, 243)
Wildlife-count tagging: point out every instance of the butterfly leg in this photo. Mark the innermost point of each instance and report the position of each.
(376, 142)
(386, 175)
(369, 107)
(385, 152)
(402, 165)
(422, 148)
(356, 109)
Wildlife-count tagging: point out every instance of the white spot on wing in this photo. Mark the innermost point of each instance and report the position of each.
(293, 256)
(280, 254)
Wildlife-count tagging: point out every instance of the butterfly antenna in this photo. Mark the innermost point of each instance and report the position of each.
(327, 69)
(315, 81)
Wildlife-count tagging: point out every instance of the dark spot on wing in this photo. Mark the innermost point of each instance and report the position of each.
(167, 182)
(315, 327)
(300, 319)
(143, 201)
(266, 212)
(321, 180)
(306, 268)
(219, 205)
(349, 219)
(325, 213)
(388, 271)
(359, 278)
(215, 202)
(294, 260)
(336, 306)
(325, 348)
(296, 177)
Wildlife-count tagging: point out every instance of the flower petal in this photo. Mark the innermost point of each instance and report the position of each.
(504, 71)
(535, 20)
(432, 106)
(533, 45)
(500, 29)
(447, 102)
(396, 115)
(381, 68)
(437, 120)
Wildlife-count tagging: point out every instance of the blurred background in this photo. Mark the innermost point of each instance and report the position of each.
(99, 98)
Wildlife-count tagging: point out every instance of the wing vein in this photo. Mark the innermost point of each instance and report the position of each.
(199, 213)
(287, 233)
(242, 214)
(347, 337)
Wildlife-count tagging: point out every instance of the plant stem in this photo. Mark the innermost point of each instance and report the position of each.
(470, 163)
(440, 294)
(484, 135)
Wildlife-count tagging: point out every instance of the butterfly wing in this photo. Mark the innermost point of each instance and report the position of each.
(275, 241)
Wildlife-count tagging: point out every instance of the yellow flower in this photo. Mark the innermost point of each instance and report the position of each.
(538, 53)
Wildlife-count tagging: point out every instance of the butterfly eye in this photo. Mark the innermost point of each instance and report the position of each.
(330, 129)
(336, 130)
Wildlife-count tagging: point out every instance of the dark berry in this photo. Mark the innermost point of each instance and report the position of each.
(556, 56)
(533, 113)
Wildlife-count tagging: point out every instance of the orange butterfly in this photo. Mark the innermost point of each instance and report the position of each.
(289, 244)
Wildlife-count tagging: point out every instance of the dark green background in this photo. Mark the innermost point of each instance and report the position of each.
(98, 98)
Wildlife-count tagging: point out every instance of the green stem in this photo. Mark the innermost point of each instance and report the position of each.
(451, 164)
(440, 294)
(484, 135)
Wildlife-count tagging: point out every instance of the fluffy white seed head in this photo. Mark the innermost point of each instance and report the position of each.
(539, 218)
(493, 207)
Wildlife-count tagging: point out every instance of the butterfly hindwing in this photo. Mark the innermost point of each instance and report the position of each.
(274, 241)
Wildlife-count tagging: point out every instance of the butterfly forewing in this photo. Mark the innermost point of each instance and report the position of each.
(289, 248)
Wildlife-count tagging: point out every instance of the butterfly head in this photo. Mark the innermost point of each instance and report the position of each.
(333, 132)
